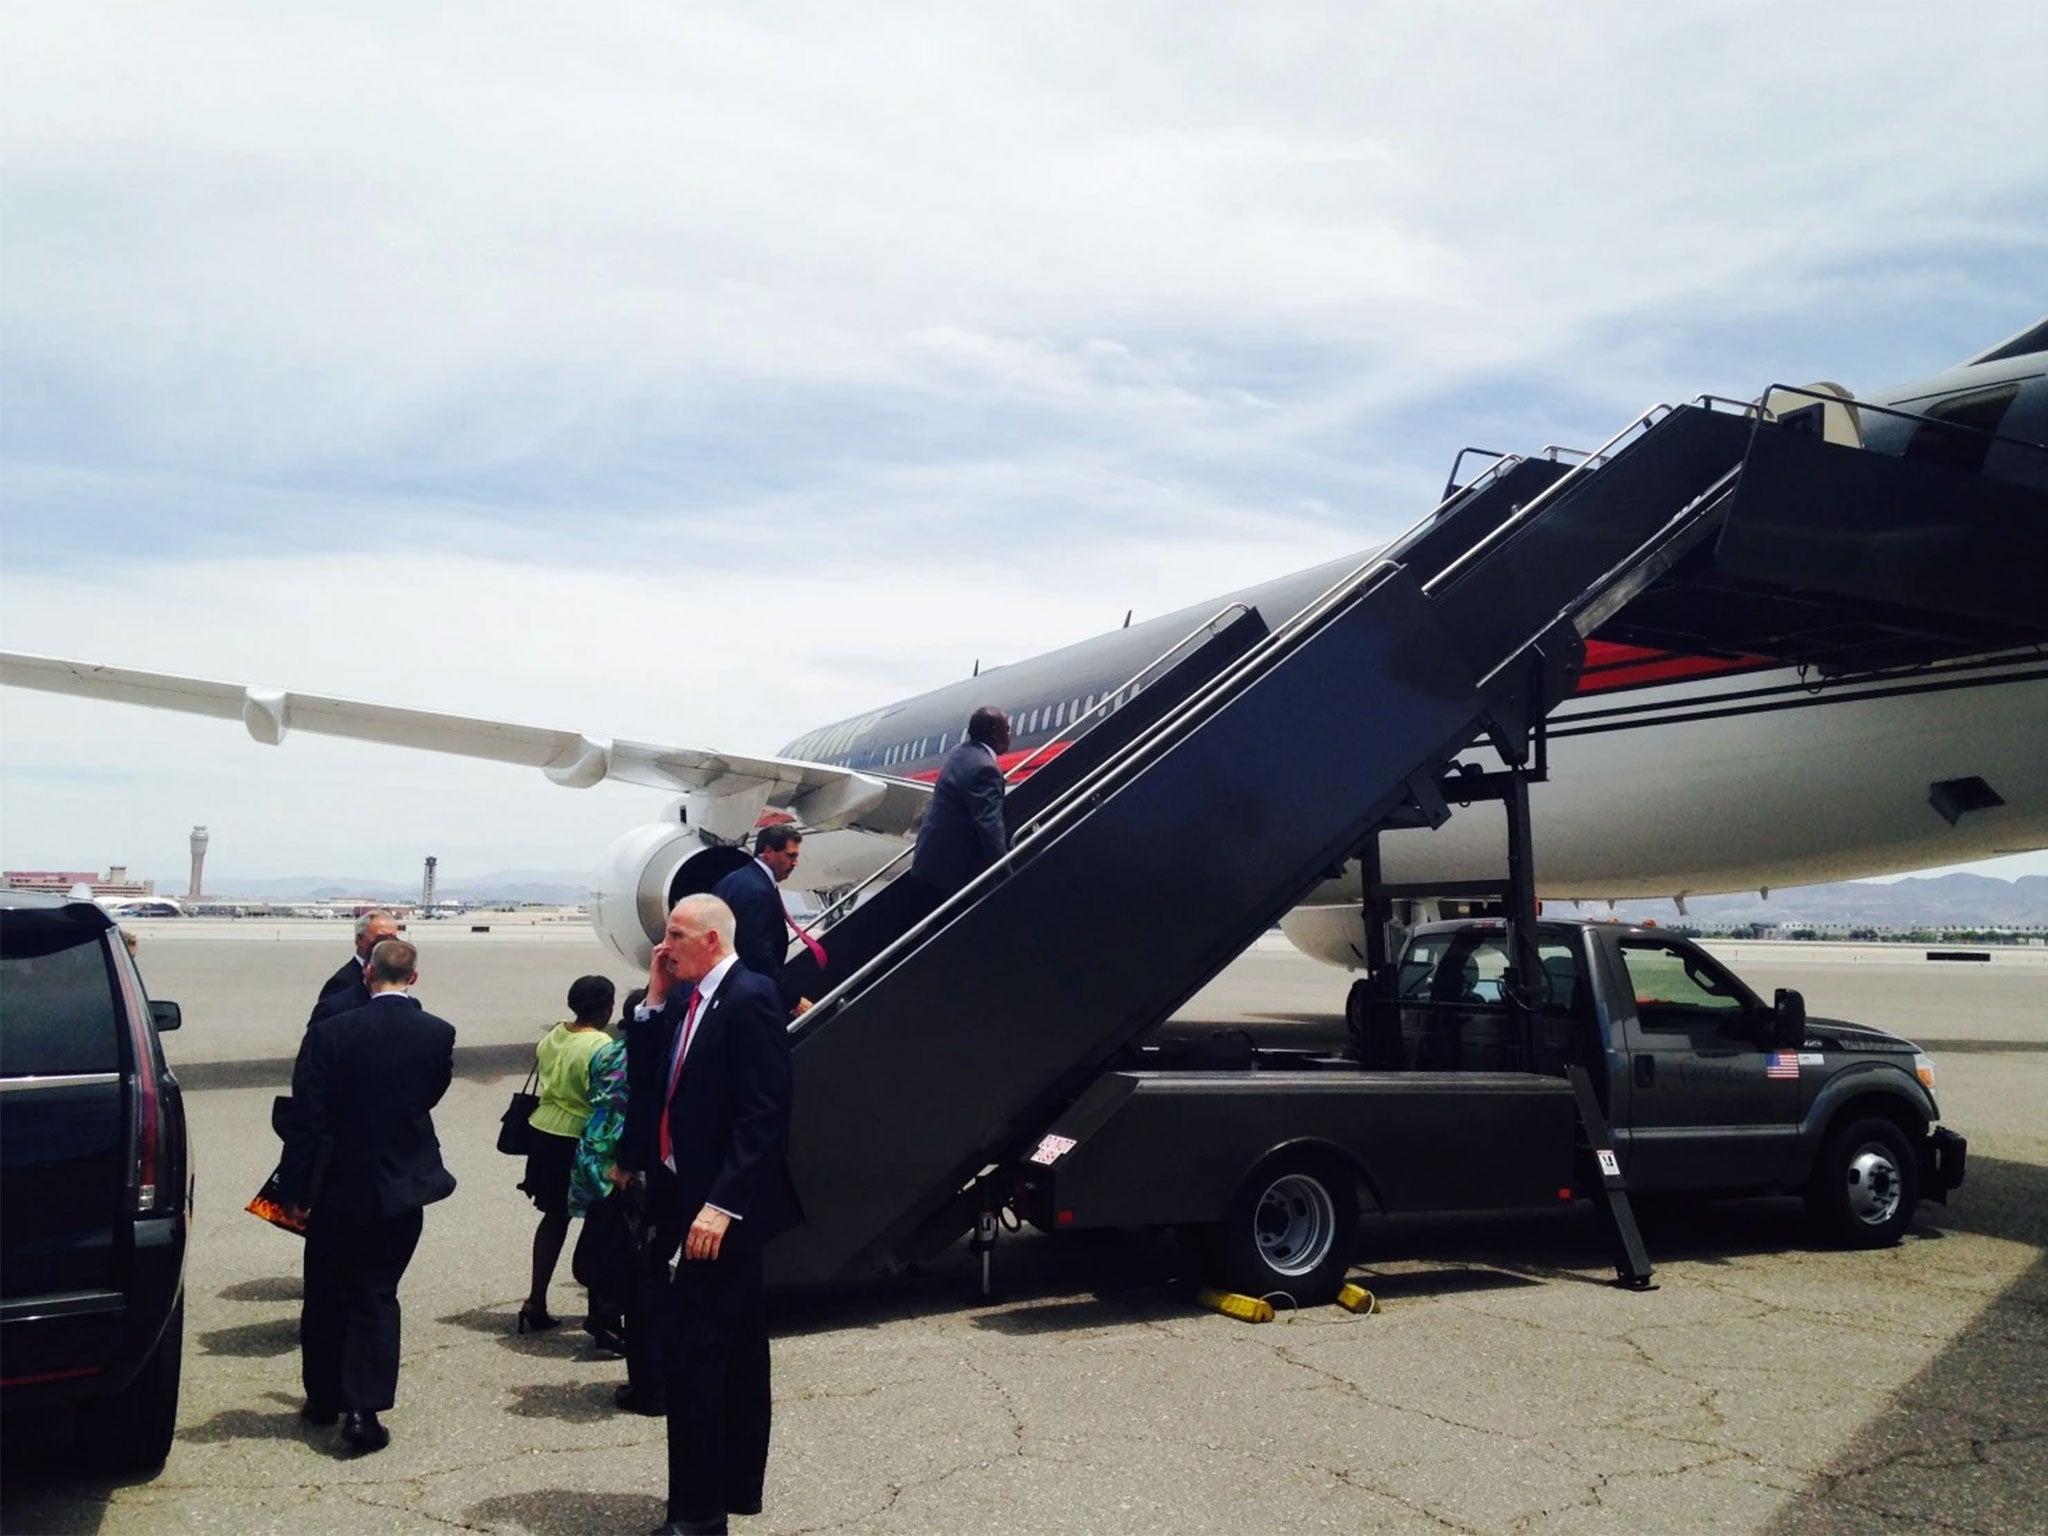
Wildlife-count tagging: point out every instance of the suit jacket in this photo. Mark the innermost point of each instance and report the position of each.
(364, 1087)
(729, 1120)
(344, 990)
(963, 829)
(762, 937)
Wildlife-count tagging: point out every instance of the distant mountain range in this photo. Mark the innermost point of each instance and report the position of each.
(1930, 901)
(1940, 901)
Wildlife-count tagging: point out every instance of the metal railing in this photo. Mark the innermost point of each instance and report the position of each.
(1760, 409)
(1080, 797)
(1036, 758)
(1553, 492)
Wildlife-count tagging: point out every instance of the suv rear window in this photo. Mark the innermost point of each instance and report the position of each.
(58, 1013)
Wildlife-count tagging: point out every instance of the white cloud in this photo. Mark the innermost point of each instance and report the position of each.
(982, 326)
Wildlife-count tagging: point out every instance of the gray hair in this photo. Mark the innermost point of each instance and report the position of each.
(393, 962)
(363, 922)
(707, 911)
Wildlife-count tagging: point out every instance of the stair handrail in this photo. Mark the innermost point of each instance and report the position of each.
(1285, 637)
(826, 918)
(1101, 704)
(1763, 412)
(1643, 421)
(1605, 596)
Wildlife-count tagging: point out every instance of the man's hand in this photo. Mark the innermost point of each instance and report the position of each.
(803, 1006)
(661, 976)
(706, 1233)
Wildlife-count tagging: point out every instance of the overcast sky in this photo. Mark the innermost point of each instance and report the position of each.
(700, 375)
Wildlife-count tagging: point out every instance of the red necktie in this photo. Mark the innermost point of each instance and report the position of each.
(817, 950)
(666, 1147)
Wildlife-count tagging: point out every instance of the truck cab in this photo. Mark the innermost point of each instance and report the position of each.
(1707, 1087)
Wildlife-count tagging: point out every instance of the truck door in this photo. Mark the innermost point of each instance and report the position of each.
(1710, 1104)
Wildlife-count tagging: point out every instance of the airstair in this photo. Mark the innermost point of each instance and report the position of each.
(1164, 846)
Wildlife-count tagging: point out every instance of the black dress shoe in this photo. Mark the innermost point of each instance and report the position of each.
(322, 1414)
(713, 1527)
(652, 1404)
(359, 1427)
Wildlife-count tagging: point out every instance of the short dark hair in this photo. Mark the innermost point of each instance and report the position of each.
(392, 961)
(590, 999)
(633, 1000)
(777, 837)
(986, 724)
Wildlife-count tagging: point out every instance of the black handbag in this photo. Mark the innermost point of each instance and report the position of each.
(515, 1136)
(602, 1262)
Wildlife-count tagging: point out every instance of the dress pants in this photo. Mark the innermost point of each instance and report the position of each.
(718, 1394)
(349, 1322)
(647, 1302)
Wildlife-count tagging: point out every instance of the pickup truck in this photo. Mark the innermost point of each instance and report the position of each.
(1454, 1099)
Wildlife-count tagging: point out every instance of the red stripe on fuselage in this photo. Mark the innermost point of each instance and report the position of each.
(1039, 757)
(1610, 666)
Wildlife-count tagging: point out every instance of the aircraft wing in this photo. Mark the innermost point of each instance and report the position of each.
(819, 795)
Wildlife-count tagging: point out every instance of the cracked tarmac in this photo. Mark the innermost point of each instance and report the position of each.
(1767, 1386)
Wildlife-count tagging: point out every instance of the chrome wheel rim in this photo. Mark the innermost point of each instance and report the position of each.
(1296, 1223)
(1874, 1187)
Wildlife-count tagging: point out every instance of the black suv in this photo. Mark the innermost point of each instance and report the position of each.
(95, 1183)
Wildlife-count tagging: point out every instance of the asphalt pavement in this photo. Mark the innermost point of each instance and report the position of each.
(1767, 1385)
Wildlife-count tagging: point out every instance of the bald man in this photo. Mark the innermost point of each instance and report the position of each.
(720, 1124)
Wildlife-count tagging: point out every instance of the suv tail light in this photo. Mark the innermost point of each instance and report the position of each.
(146, 1122)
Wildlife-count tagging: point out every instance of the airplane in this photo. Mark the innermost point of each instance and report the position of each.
(139, 906)
(1671, 772)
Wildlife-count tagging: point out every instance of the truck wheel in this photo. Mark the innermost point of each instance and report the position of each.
(1291, 1228)
(1866, 1185)
(132, 1431)
(1358, 1017)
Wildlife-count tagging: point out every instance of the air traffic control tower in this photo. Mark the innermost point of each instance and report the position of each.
(198, 864)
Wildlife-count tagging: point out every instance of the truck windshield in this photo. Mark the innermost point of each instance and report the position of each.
(57, 1009)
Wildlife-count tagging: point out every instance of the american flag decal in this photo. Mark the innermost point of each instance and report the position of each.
(1781, 1064)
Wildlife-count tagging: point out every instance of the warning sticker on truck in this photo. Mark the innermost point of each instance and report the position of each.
(1052, 1148)
(1610, 1165)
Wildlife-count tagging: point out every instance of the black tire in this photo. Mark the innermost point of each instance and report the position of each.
(1291, 1229)
(131, 1431)
(1358, 1015)
(1866, 1185)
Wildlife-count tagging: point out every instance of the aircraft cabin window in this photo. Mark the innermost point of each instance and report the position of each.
(1059, 714)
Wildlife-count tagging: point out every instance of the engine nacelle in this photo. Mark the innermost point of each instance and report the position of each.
(646, 872)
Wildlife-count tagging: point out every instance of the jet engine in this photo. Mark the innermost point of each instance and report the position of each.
(646, 872)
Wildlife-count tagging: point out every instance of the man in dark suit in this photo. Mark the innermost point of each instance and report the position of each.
(753, 892)
(361, 1165)
(347, 989)
(963, 831)
(720, 1124)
